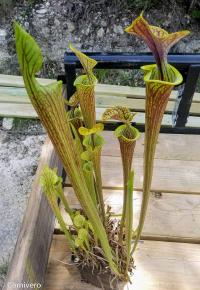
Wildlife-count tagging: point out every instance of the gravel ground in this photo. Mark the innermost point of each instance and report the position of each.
(19, 154)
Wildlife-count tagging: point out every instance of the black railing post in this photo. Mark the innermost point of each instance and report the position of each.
(70, 71)
(187, 96)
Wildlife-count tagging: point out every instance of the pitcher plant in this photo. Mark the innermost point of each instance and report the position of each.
(96, 238)
(160, 79)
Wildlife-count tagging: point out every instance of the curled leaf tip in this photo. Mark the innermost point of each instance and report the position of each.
(87, 62)
(28, 52)
(158, 40)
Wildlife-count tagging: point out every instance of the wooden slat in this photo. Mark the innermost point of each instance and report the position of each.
(171, 216)
(19, 96)
(101, 89)
(159, 266)
(17, 111)
(13, 95)
(17, 81)
(169, 175)
(138, 105)
(132, 92)
(176, 176)
(169, 146)
(27, 111)
(31, 253)
(15, 103)
(167, 119)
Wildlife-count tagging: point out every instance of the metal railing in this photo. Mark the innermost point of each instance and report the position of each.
(187, 64)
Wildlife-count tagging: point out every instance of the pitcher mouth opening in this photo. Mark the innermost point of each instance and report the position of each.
(84, 81)
(148, 69)
(127, 132)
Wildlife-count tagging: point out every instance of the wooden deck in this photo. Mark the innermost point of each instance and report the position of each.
(168, 257)
(159, 266)
(175, 214)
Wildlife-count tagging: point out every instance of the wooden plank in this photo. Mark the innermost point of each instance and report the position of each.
(17, 81)
(159, 266)
(170, 216)
(17, 111)
(101, 89)
(169, 146)
(31, 253)
(19, 96)
(27, 111)
(132, 92)
(169, 175)
(178, 176)
(137, 105)
(13, 95)
(60, 276)
(166, 121)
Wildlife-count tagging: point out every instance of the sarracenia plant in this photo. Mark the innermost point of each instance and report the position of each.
(127, 136)
(160, 79)
(49, 103)
(96, 238)
(77, 139)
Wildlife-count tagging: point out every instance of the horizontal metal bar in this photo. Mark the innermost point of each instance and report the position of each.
(129, 60)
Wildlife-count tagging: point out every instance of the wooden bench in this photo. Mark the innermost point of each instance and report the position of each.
(169, 255)
(14, 101)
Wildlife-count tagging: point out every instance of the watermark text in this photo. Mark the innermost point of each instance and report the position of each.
(24, 285)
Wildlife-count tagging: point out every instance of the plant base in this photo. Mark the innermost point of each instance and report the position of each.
(104, 280)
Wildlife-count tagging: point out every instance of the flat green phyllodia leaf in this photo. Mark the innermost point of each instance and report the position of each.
(79, 220)
(83, 234)
(96, 141)
(82, 239)
(93, 145)
(97, 128)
